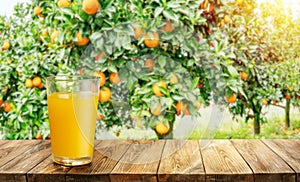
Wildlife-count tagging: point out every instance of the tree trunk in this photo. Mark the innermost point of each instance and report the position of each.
(256, 125)
(287, 113)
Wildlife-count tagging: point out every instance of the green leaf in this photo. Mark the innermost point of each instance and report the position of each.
(158, 11)
(232, 71)
(162, 61)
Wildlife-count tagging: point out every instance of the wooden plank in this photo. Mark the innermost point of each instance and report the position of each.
(222, 162)
(12, 148)
(106, 155)
(16, 169)
(265, 164)
(181, 161)
(139, 163)
(289, 151)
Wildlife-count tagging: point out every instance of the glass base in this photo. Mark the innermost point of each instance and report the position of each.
(66, 161)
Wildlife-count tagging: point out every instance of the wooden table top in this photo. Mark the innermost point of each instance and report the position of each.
(162, 160)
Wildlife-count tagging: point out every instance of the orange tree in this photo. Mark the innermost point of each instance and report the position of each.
(163, 58)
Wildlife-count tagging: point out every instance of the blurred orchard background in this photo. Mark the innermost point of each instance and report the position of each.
(169, 69)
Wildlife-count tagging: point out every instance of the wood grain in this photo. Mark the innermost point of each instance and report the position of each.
(266, 165)
(16, 169)
(106, 155)
(222, 162)
(289, 151)
(181, 161)
(11, 149)
(140, 162)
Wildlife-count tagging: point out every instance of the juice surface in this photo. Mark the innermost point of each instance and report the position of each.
(72, 123)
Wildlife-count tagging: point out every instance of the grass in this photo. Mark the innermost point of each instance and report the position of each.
(273, 129)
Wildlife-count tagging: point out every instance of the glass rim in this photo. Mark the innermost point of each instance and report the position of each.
(71, 77)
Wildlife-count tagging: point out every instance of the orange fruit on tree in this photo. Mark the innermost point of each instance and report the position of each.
(36, 81)
(28, 83)
(102, 77)
(168, 27)
(149, 63)
(249, 8)
(198, 105)
(185, 109)
(280, 59)
(161, 128)
(6, 45)
(100, 116)
(231, 99)
(151, 40)
(157, 110)
(81, 41)
(156, 88)
(179, 106)
(287, 96)
(41, 86)
(64, 3)
(37, 10)
(210, 8)
(203, 5)
(138, 32)
(7, 107)
(1, 102)
(244, 75)
(38, 137)
(114, 78)
(100, 56)
(227, 19)
(54, 35)
(90, 6)
(44, 33)
(274, 102)
(265, 101)
(105, 94)
(174, 79)
(240, 2)
(211, 44)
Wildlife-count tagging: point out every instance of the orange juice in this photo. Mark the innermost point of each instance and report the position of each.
(72, 124)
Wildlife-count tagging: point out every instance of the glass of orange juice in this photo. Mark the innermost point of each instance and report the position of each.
(72, 106)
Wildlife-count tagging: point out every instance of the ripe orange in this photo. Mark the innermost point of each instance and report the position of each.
(37, 11)
(179, 106)
(240, 2)
(7, 107)
(64, 3)
(38, 137)
(185, 109)
(149, 63)
(100, 56)
(174, 79)
(200, 85)
(81, 41)
(54, 35)
(36, 81)
(151, 40)
(265, 58)
(100, 117)
(41, 86)
(287, 96)
(231, 99)
(168, 27)
(28, 83)
(211, 43)
(265, 101)
(244, 75)
(1, 102)
(161, 128)
(210, 8)
(249, 8)
(90, 6)
(280, 59)
(157, 110)
(156, 88)
(203, 5)
(138, 32)
(102, 77)
(5, 46)
(105, 94)
(114, 78)
(274, 102)
(227, 19)
(44, 33)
